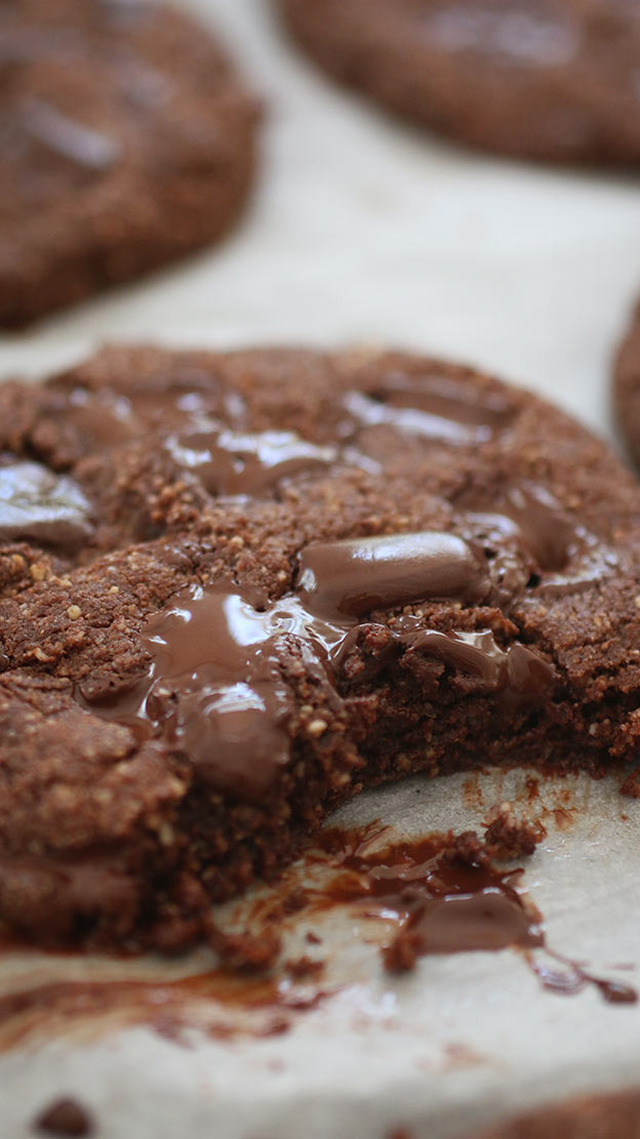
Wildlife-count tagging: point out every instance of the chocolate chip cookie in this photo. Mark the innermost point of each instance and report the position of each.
(237, 589)
(626, 389)
(554, 80)
(127, 141)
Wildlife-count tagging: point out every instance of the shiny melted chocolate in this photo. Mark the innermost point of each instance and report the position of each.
(530, 515)
(217, 687)
(432, 407)
(231, 463)
(38, 506)
(351, 578)
(439, 903)
(443, 897)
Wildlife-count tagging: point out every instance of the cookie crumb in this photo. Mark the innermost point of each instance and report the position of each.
(66, 1118)
(303, 967)
(507, 837)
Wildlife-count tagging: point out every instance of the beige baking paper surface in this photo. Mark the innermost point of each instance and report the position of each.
(363, 231)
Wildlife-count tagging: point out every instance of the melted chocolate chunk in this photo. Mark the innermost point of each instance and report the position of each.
(444, 894)
(230, 463)
(528, 515)
(517, 675)
(38, 506)
(537, 519)
(105, 420)
(432, 408)
(67, 138)
(216, 687)
(351, 578)
(439, 397)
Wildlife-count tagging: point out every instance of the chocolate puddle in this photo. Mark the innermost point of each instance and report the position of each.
(438, 894)
(444, 895)
(42, 507)
(444, 900)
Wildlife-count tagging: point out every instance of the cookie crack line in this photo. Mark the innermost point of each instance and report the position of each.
(312, 574)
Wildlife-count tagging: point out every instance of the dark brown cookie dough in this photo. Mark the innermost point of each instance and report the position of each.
(554, 80)
(626, 389)
(237, 589)
(126, 141)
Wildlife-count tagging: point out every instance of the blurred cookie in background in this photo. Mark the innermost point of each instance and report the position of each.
(127, 141)
(552, 80)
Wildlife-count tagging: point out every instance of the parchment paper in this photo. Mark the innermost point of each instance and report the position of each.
(365, 231)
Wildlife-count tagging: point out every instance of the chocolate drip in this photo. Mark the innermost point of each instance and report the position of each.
(38, 506)
(561, 975)
(217, 688)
